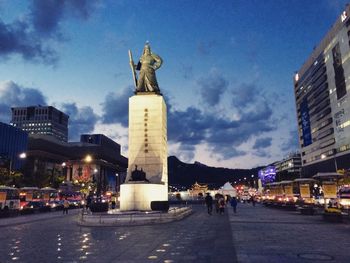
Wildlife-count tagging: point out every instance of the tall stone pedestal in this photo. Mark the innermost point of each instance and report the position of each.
(147, 152)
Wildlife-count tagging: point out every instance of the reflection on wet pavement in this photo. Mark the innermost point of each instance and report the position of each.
(62, 240)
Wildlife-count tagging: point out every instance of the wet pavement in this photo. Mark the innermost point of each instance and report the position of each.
(197, 238)
(254, 234)
(263, 234)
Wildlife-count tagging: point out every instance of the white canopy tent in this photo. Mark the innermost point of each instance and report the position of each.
(227, 189)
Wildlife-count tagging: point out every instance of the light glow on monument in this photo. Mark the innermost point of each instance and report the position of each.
(147, 176)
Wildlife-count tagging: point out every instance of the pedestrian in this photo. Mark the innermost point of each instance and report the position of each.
(253, 200)
(222, 205)
(65, 206)
(217, 198)
(113, 201)
(233, 203)
(88, 201)
(209, 203)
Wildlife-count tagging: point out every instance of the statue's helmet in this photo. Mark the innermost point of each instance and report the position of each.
(147, 47)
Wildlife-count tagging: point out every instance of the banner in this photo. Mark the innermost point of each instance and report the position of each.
(304, 190)
(2, 196)
(305, 122)
(288, 190)
(29, 197)
(46, 196)
(329, 191)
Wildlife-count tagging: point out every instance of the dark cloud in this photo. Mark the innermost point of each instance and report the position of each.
(115, 107)
(245, 95)
(262, 143)
(223, 136)
(262, 153)
(292, 143)
(193, 126)
(13, 95)
(30, 36)
(47, 15)
(212, 87)
(16, 38)
(81, 120)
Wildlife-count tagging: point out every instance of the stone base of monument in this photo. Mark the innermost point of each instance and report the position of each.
(139, 195)
(134, 218)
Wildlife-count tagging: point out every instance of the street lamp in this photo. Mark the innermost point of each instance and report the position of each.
(117, 181)
(22, 155)
(88, 158)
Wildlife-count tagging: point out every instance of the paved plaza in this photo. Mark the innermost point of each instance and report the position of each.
(254, 234)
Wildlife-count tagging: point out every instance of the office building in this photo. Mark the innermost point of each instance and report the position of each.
(322, 87)
(97, 161)
(44, 120)
(13, 146)
(289, 168)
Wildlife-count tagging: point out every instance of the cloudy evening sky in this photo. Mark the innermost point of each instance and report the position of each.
(226, 77)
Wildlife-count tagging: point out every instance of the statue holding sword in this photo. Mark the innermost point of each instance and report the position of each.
(147, 65)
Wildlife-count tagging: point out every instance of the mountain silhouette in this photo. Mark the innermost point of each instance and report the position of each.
(186, 174)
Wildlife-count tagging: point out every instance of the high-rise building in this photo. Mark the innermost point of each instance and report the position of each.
(322, 87)
(45, 120)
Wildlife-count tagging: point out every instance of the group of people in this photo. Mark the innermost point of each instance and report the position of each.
(220, 203)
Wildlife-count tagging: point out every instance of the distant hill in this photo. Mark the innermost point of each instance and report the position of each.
(185, 174)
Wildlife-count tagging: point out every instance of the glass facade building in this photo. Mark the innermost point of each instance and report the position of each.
(45, 120)
(322, 87)
(13, 142)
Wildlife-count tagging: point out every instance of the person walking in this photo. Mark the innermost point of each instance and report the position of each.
(233, 203)
(65, 206)
(222, 205)
(253, 200)
(209, 203)
(217, 198)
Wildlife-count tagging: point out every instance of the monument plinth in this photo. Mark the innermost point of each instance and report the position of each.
(147, 176)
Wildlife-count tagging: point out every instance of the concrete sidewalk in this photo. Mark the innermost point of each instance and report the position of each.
(262, 234)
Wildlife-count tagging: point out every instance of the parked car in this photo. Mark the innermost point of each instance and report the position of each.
(35, 206)
(56, 205)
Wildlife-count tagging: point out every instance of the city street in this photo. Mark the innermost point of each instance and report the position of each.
(254, 234)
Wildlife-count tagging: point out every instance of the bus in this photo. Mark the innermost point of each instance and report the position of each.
(49, 194)
(28, 194)
(9, 198)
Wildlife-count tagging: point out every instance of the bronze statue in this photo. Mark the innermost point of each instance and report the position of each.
(148, 64)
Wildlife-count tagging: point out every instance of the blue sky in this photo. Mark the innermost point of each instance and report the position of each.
(227, 71)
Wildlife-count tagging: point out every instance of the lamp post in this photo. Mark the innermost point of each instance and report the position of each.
(22, 155)
(117, 182)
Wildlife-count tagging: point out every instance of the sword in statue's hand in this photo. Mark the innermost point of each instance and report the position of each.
(132, 65)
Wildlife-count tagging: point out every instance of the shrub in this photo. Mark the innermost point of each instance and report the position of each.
(99, 207)
(160, 206)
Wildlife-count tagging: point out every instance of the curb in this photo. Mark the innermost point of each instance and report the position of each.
(134, 219)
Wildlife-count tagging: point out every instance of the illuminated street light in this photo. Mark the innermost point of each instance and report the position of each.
(63, 164)
(88, 158)
(22, 155)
